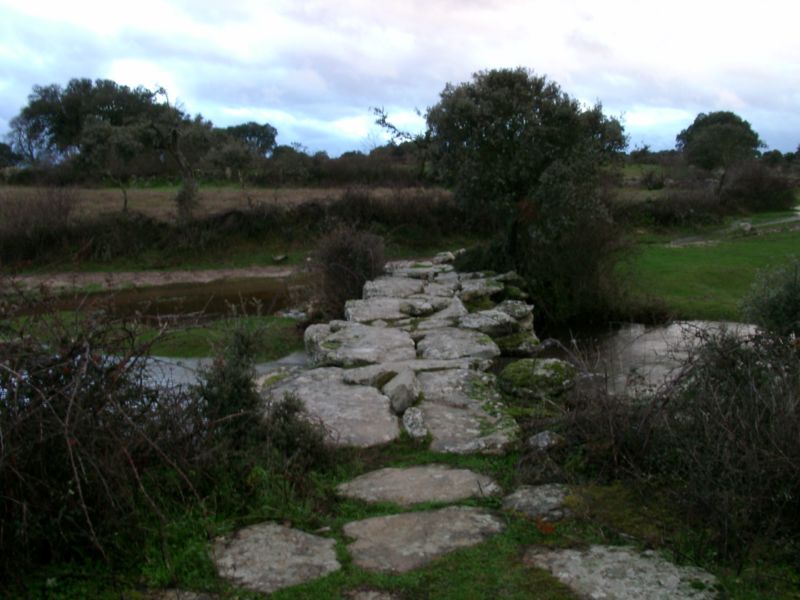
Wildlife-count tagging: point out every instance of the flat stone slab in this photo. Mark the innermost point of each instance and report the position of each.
(352, 415)
(413, 485)
(451, 342)
(378, 375)
(544, 502)
(343, 344)
(622, 573)
(490, 322)
(400, 543)
(462, 413)
(268, 557)
(391, 309)
(392, 287)
(473, 289)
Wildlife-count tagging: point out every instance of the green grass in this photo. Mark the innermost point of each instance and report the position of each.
(277, 337)
(707, 282)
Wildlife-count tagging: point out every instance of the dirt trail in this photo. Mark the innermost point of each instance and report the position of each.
(124, 279)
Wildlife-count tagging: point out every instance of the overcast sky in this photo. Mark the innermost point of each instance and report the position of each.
(314, 68)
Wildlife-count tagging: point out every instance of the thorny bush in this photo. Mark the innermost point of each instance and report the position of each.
(94, 455)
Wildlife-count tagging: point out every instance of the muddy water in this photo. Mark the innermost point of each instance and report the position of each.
(256, 295)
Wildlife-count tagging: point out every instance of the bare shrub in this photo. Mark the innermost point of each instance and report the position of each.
(723, 439)
(93, 456)
(45, 212)
(345, 259)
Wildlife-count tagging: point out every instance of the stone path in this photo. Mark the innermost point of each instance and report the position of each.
(410, 356)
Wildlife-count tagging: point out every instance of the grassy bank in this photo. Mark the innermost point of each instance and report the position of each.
(706, 280)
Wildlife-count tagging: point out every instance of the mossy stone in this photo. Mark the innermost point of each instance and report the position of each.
(537, 378)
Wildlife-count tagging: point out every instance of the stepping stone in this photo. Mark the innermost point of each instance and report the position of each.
(475, 289)
(623, 573)
(390, 309)
(462, 413)
(343, 344)
(379, 375)
(352, 415)
(450, 342)
(447, 317)
(392, 287)
(544, 502)
(413, 485)
(400, 543)
(490, 322)
(268, 557)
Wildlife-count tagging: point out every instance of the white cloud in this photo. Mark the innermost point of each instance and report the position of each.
(314, 67)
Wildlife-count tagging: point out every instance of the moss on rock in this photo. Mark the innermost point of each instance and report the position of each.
(537, 378)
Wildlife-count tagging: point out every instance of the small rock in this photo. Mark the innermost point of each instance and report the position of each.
(544, 502)
(443, 257)
(545, 440)
(414, 423)
(402, 390)
(268, 557)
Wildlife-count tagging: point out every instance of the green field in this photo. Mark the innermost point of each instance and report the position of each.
(706, 281)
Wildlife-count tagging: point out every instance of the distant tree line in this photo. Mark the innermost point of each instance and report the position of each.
(101, 131)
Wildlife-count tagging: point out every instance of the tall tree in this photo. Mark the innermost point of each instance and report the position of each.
(259, 138)
(718, 140)
(524, 156)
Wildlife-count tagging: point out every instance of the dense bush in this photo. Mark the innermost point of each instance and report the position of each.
(414, 215)
(678, 208)
(35, 223)
(524, 158)
(774, 300)
(752, 186)
(345, 259)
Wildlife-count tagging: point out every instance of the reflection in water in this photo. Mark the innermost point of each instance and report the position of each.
(638, 360)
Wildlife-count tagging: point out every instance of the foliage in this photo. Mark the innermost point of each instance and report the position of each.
(8, 158)
(494, 137)
(524, 156)
(774, 299)
(345, 259)
(259, 139)
(718, 139)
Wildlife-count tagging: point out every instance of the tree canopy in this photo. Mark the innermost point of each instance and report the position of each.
(524, 156)
(718, 139)
(494, 137)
